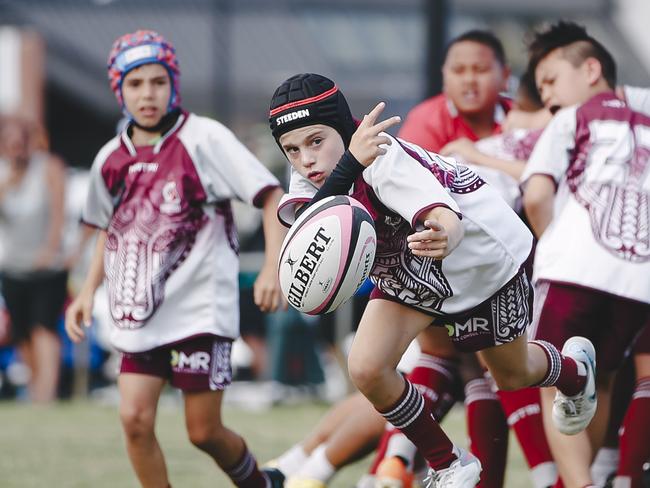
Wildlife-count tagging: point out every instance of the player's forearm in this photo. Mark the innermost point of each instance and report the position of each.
(95, 273)
(539, 213)
(55, 173)
(274, 231)
(512, 168)
(339, 181)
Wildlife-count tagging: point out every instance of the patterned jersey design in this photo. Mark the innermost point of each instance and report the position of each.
(413, 280)
(145, 245)
(619, 208)
(466, 181)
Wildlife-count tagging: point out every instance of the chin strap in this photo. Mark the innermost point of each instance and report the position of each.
(166, 122)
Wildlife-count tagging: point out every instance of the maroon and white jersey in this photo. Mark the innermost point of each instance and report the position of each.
(397, 189)
(597, 154)
(171, 257)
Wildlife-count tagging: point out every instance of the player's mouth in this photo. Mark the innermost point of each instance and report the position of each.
(148, 111)
(470, 95)
(316, 176)
(554, 108)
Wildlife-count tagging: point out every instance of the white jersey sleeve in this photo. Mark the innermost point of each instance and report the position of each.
(638, 99)
(300, 191)
(551, 155)
(405, 185)
(226, 167)
(100, 205)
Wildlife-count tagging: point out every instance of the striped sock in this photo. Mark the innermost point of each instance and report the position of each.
(412, 415)
(245, 474)
(563, 372)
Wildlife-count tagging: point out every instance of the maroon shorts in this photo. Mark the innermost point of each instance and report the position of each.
(498, 320)
(200, 363)
(642, 343)
(612, 323)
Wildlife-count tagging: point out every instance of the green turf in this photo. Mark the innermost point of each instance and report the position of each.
(80, 444)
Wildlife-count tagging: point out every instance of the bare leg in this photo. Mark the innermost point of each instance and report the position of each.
(335, 419)
(515, 365)
(139, 401)
(206, 430)
(385, 331)
(357, 435)
(573, 454)
(46, 348)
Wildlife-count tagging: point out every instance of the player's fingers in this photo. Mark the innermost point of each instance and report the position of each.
(87, 314)
(379, 140)
(433, 225)
(436, 254)
(386, 124)
(276, 300)
(370, 119)
(428, 245)
(423, 235)
(73, 330)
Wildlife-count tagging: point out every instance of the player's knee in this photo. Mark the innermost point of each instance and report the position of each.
(137, 422)
(364, 374)
(205, 436)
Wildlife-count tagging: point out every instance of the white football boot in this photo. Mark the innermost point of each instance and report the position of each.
(464, 472)
(572, 414)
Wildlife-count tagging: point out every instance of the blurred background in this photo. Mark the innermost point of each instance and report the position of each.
(233, 53)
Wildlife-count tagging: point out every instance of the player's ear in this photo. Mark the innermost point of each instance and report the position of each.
(505, 76)
(593, 70)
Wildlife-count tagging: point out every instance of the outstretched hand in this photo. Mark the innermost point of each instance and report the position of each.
(366, 141)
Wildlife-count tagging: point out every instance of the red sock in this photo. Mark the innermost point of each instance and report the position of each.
(563, 372)
(634, 442)
(524, 413)
(435, 378)
(488, 431)
(413, 416)
(380, 452)
(245, 474)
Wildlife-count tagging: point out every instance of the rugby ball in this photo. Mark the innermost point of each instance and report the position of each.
(327, 255)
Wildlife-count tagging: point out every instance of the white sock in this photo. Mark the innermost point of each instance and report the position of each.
(292, 460)
(366, 481)
(399, 445)
(605, 463)
(317, 466)
(544, 474)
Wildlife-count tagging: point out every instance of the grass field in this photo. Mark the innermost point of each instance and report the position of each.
(79, 444)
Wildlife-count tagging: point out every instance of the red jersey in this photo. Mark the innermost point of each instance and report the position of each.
(435, 122)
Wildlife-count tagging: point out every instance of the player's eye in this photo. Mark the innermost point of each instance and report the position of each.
(317, 141)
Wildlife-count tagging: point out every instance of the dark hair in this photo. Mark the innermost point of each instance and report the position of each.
(576, 45)
(482, 37)
(527, 95)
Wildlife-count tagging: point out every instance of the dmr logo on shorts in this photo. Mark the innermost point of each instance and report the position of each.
(197, 362)
(472, 327)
